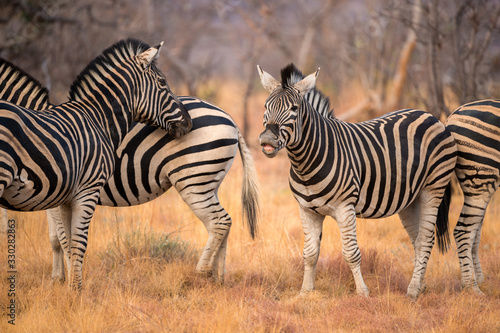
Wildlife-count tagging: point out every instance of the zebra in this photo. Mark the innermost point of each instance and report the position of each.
(20, 88)
(476, 129)
(194, 164)
(63, 156)
(400, 163)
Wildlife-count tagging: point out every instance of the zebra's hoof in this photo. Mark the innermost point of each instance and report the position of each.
(363, 292)
(305, 293)
(57, 280)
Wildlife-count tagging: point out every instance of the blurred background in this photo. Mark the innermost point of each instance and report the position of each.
(375, 56)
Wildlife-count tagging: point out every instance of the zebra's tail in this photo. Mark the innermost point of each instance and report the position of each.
(250, 188)
(442, 234)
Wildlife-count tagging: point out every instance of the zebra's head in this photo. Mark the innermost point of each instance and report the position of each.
(171, 115)
(281, 119)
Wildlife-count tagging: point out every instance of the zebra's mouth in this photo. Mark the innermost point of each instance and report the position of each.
(269, 150)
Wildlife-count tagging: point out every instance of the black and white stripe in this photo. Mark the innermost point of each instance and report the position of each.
(63, 156)
(150, 162)
(400, 163)
(476, 129)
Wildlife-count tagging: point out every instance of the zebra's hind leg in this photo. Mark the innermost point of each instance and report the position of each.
(219, 267)
(54, 219)
(59, 220)
(478, 272)
(410, 218)
(428, 203)
(467, 237)
(218, 223)
(312, 223)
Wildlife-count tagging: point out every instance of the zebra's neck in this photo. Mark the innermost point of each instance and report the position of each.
(315, 145)
(108, 101)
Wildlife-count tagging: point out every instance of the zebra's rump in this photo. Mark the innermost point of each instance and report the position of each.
(476, 129)
(150, 161)
(40, 167)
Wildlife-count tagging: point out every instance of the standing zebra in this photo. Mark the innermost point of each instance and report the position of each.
(476, 129)
(63, 156)
(149, 162)
(400, 163)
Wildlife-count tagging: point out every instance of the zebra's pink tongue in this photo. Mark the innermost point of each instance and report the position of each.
(268, 148)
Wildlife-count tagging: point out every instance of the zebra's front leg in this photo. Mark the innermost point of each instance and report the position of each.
(54, 218)
(81, 215)
(312, 224)
(346, 219)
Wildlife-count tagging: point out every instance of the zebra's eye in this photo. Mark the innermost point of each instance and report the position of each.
(294, 108)
(162, 81)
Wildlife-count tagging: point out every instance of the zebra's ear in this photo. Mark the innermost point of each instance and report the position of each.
(308, 83)
(148, 56)
(268, 82)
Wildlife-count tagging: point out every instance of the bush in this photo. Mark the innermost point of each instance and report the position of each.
(148, 245)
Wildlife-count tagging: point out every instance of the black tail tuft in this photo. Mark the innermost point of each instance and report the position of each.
(442, 234)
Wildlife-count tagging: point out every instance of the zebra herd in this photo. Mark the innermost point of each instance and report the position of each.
(124, 138)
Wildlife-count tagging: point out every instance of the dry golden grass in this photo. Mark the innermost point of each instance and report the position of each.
(127, 291)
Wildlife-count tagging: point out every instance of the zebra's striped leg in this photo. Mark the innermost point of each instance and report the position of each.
(478, 272)
(53, 219)
(220, 261)
(81, 215)
(410, 220)
(312, 223)
(428, 208)
(60, 218)
(208, 209)
(467, 236)
(346, 219)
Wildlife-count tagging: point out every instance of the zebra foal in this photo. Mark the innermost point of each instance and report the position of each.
(401, 163)
(63, 156)
(476, 129)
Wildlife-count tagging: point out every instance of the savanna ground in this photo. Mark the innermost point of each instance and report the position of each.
(139, 272)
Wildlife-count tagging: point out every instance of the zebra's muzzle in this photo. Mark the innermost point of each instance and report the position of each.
(269, 143)
(179, 128)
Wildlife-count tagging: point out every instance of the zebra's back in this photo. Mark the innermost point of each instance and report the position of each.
(150, 161)
(389, 160)
(408, 146)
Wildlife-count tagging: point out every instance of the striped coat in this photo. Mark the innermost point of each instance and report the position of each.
(150, 161)
(400, 163)
(476, 129)
(64, 155)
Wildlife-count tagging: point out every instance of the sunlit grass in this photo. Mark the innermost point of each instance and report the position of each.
(139, 271)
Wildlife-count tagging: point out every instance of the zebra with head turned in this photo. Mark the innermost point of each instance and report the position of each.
(63, 156)
(476, 129)
(400, 163)
(149, 162)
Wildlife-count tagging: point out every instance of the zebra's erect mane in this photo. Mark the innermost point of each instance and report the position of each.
(118, 52)
(11, 75)
(291, 75)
